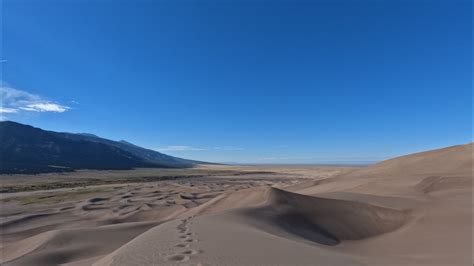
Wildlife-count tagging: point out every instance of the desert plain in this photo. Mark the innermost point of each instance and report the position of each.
(411, 210)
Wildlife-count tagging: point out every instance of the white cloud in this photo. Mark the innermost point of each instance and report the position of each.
(45, 107)
(8, 110)
(15, 101)
(180, 148)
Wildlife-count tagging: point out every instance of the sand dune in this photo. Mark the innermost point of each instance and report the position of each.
(337, 219)
(288, 226)
(78, 226)
(411, 210)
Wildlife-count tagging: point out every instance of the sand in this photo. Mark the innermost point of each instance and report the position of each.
(411, 210)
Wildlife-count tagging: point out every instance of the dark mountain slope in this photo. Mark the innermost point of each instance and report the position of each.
(148, 155)
(25, 149)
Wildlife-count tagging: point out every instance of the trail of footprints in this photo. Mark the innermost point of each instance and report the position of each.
(185, 250)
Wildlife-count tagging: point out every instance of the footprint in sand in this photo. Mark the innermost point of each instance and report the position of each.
(190, 252)
(186, 236)
(177, 257)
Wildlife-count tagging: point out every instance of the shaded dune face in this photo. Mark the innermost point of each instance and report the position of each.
(440, 183)
(326, 221)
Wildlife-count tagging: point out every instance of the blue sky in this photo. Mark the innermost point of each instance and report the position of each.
(244, 81)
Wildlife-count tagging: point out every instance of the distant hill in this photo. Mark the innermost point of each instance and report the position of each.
(26, 149)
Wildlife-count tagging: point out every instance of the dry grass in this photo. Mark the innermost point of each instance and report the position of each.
(85, 178)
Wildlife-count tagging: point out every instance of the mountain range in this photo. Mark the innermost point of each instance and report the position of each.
(26, 149)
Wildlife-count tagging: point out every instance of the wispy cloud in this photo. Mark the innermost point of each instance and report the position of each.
(45, 107)
(16, 101)
(193, 148)
(7, 110)
(180, 148)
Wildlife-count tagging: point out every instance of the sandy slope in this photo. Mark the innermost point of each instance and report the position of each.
(80, 225)
(412, 210)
